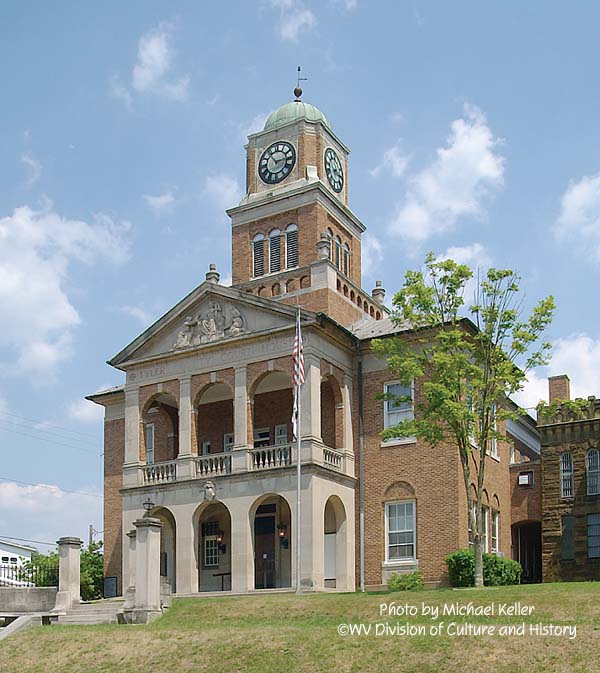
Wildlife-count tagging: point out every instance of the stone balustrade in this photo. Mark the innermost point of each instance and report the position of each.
(269, 457)
(160, 473)
(213, 465)
(332, 459)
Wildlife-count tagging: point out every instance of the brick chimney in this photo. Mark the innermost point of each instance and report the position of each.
(559, 388)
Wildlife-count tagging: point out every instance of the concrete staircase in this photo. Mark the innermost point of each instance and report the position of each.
(95, 612)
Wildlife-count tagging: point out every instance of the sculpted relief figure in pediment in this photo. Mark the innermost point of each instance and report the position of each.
(212, 325)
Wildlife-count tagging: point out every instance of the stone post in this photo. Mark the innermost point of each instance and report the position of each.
(69, 553)
(311, 399)
(147, 569)
(129, 578)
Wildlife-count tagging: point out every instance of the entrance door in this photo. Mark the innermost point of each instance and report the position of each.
(264, 552)
(330, 560)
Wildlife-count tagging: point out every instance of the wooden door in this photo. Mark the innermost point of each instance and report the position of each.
(264, 552)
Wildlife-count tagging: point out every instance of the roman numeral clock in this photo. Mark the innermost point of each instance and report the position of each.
(276, 162)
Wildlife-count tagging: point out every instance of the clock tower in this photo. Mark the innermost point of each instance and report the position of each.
(294, 238)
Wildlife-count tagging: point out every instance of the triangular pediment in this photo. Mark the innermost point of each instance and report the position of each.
(211, 314)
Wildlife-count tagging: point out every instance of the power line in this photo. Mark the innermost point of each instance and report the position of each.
(48, 431)
(55, 425)
(52, 441)
(50, 488)
(24, 539)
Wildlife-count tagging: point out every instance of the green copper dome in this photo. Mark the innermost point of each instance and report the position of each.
(291, 112)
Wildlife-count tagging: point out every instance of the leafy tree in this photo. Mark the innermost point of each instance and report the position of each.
(468, 367)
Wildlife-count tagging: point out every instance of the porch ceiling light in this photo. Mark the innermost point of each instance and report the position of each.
(148, 505)
(282, 530)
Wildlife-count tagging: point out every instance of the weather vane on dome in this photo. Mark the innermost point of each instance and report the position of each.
(298, 89)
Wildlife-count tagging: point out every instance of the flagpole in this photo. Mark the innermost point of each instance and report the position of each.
(298, 466)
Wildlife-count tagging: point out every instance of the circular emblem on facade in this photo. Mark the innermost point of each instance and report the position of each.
(276, 162)
(334, 170)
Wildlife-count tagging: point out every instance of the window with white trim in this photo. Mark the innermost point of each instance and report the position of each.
(262, 437)
(566, 475)
(567, 541)
(493, 443)
(513, 454)
(592, 465)
(281, 434)
(338, 252)
(593, 535)
(397, 410)
(228, 441)
(495, 525)
(274, 251)
(291, 246)
(149, 440)
(205, 448)
(258, 255)
(330, 237)
(346, 259)
(400, 531)
(484, 528)
(211, 551)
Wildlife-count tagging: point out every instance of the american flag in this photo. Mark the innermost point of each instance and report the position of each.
(298, 362)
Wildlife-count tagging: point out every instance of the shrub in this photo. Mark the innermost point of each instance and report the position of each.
(497, 570)
(405, 581)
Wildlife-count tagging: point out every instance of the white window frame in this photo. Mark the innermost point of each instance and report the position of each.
(290, 230)
(592, 471)
(255, 239)
(149, 431)
(410, 413)
(593, 550)
(281, 434)
(228, 441)
(205, 447)
(211, 552)
(257, 437)
(493, 443)
(513, 454)
(275, 245)
(413, 530)
(484, 528)
(346, 259)
(495, 531)
(566, 475)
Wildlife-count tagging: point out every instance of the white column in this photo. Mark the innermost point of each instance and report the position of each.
(185, 416)
(311, 399)
(69, 554)
(147, 564)
(128, 588)
(240, 421)
(132, 425)
(186, 570)
(347, 425)
(242, 557)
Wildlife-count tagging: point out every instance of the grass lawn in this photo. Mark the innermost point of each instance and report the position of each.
(281, 633)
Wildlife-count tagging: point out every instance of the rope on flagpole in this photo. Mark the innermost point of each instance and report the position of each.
(299, 378)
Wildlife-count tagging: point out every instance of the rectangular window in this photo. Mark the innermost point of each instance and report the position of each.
(258, 257)
(275, 253)
(205, 448)
(495, 530)
(281, 434)
(493, 443)
(526, 478)
(512, 454)
(400, 530)
(262, 437)
(228, 441)
(396, 410)
(593, 535)
(566, 475)
(149, 443)
(484, 528)
(291, 248)
(211, 552)
(592, 459)
(567, 544)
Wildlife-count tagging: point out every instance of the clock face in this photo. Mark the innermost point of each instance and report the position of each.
(276, 162)
(334, 170)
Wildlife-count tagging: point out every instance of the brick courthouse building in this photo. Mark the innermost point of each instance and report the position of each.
(201, 428)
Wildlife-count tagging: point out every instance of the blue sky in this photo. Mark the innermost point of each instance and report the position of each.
(474, 133)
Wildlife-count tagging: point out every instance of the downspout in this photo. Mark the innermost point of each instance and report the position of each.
(361, 470)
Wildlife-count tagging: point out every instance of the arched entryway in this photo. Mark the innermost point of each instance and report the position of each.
(335, 543)
(527, 549)
(212, 533)
(168, 549)
(271, 520)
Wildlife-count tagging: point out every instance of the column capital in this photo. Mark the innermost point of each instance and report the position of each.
(148, 522)
(70, 542)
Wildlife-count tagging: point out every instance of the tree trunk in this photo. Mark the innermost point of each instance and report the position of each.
(478, 555)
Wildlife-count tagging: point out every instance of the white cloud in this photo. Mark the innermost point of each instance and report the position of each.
(257, 124)
(294, 17)
(159, 203)
(84, 411)
(371, 253)
(455, 184)
(578, 356)
(138, 313)
(37, 249)
(119, 91)
(394, 160)
(154, 63)
(34, 167)
(579, 219)
(477, 258)
(224, 190)
(348, 5)
(44, 512)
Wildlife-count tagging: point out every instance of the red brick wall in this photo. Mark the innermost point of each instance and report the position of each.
(274, 408)
(114, 455)
(214, 420)
(525, 501)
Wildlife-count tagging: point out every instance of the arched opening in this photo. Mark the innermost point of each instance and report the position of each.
(335, 543)
(331, 413)
(274, 251)
(275, 290)
(271, 523)
(290, 286)
(352, 296)
(359, 302)
(304, 282)
(345, 290)
(527, 549)
(378, 315)
(212, 533)
(272, 401)
(160, 439)
(168, 537)
(214, 419)
(372, 312)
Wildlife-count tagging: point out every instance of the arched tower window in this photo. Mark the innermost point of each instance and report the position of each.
(330, 237)
(338, 252)
(291, 246)
(346, 266)
(275, 251)
(592, 464)
(258, 255)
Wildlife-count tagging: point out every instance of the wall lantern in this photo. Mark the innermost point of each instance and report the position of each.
(282, 533)
(148, 505)
(219, 537)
